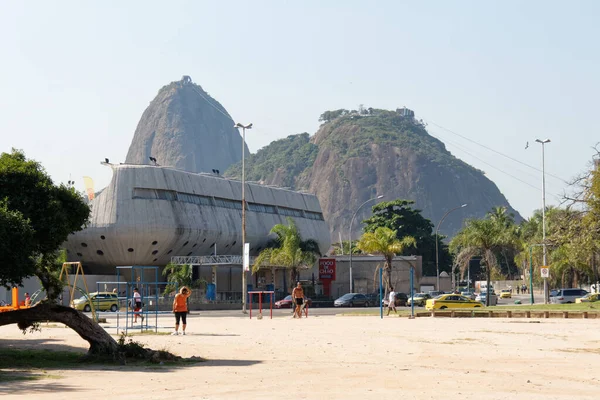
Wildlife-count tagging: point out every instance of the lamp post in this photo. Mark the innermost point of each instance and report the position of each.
(351, 222)
(437, 262)
(244, 284)
(543, 142)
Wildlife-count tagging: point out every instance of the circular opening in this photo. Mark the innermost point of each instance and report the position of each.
(227, 246)
(100, 252)
(154, 259)
(204, 240)
(195, 244)
(189, 254)
(130, 250)
(102, 237)
(234, 242)
(212, 245)
(154, 243)
(170, 251)
(155, 252)
(83, 244)
(185, 244)
(80, 255)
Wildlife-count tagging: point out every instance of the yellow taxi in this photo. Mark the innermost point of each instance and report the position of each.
(102, 301)
(505, 294)
(588, 298)
(451, 301)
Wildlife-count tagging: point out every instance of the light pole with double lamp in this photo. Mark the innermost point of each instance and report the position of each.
(437, 261)
(244, 284)
(351, 222)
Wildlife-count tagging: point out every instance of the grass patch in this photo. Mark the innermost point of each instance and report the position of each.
(40, 359)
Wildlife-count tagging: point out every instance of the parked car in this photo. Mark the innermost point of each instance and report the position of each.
(401, 299)
(419, 299)
(469, 293)
(567, 295)
(588, 298)
(374, 297)
(435, 293)
(451, 301)
(287, 302)
(102, 301)
(352, 300)
(505, 294)
(493, 298)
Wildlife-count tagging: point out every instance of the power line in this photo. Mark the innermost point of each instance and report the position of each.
(210, 102)
(497, 152)
(492, 166)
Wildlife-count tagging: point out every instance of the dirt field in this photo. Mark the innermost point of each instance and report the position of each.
(341, 358)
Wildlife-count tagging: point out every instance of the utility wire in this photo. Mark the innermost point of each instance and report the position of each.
(497, 152)
(492, 166)
(210, 102)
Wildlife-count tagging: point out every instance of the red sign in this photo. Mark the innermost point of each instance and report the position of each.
(327, 269)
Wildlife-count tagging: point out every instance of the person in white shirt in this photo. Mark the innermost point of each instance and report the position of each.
(392, 301)
(137, 305)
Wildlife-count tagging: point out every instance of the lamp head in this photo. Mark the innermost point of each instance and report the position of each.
(542, 141)
(464, 205)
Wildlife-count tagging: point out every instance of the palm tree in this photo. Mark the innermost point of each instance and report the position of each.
(384, 241)
(180, 275)
(290, 252)
(481, 238)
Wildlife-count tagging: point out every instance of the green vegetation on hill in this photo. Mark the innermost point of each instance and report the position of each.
(286, 158)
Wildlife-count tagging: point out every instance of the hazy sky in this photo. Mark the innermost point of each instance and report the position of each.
(75, 76)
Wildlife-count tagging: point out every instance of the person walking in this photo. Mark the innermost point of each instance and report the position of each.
(27, 300)
(180, 309)
(298, 299)
(392, 301)
(137, 305)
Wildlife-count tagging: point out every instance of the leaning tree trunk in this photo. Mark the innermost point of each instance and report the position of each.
(101, 343)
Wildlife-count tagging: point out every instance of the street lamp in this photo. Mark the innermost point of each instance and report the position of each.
(543, 142)
(351, 222)
(437, 262)
(244, 288)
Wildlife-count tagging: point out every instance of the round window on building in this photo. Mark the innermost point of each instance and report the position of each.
(130, 250)
(100, 252)
(154, 243)
(155, 252)
(83, 244)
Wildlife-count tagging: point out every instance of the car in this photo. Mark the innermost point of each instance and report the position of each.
(401, 299)
(481, 298)
(418, 299)
(567, 295)
(352, 300)
(374, 297)
(101, 301)
(286, 302)
(505, 294)
(469, 293)
(451, 301)
(588, 298)
(435, 293)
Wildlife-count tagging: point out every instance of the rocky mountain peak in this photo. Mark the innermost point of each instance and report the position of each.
(185, 128)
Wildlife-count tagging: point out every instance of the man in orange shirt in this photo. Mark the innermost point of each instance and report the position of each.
(180, 309)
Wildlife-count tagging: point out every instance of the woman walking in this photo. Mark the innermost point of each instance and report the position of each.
(180, 309)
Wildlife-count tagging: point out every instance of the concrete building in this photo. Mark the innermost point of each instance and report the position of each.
(149, 213)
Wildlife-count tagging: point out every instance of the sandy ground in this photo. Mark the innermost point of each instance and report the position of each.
(336, 357)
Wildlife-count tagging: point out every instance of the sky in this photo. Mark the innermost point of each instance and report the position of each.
(487, 77)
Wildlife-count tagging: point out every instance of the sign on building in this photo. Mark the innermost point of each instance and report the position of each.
(327, 269)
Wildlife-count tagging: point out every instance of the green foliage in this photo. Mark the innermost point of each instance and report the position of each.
(287, 158)
(329, 116)
(399, 216)
(180, 275)
(385, 241)
(290, 252)
(53, 212)
(15, 233)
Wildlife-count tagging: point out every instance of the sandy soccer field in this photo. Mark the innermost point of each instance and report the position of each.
(335, 357)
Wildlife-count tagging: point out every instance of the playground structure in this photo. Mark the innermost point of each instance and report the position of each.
(145, 279)
(64, 271)
(15, 304)
(260, 293)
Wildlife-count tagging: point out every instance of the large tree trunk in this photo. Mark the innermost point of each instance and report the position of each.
(488, 274)
(101, 343)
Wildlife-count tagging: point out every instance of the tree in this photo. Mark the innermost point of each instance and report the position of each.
(398, 215)
(480, 238)
(42, 214)
(384, 241)
(290, 251)
(181, 275)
